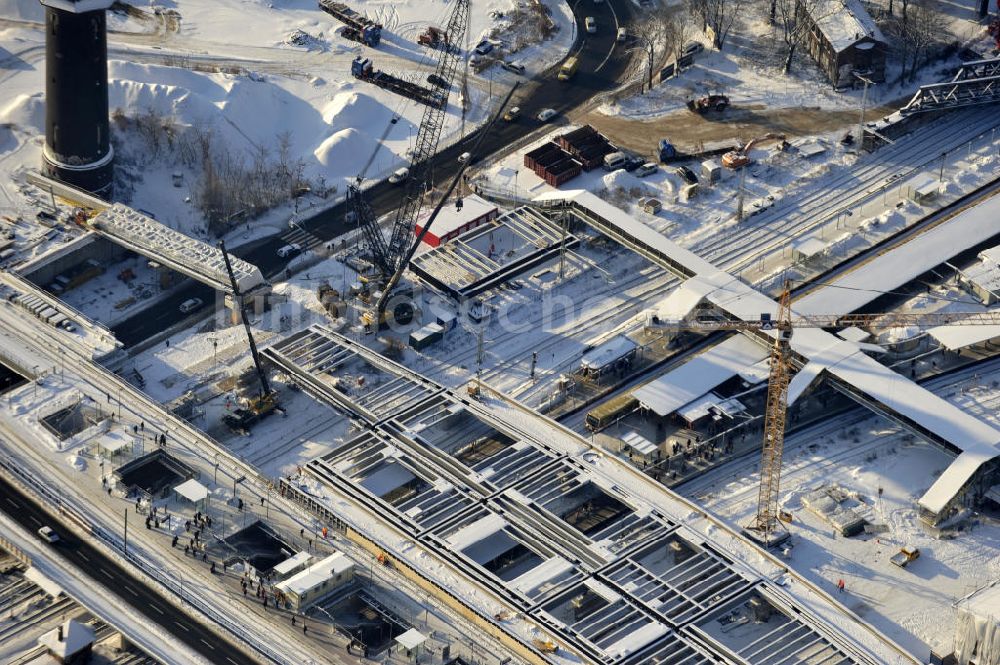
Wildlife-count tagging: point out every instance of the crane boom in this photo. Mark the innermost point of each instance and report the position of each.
(401, 268)
(264, 386)
(766, 522)
(428, 136)
(766, 519)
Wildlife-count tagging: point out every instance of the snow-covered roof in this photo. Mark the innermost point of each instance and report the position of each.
(387, 478)
(190, 256)
(292, 563)
(699, 375)
(411, 639)
(451, 219)
(956, 337)
(978, 440)
(114, 441)
(76, 637)
(986, 273)
(639, 443)
(853, 334)
(809, 246)
(476, 531)
(682, 300)
(547, 571)
(192, 490)
(608, 352)
(709, 403)
(844, 22)
(310, 578)
(984, 602)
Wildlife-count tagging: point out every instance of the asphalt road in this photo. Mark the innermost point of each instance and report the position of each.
(602, 63)
(148, 602)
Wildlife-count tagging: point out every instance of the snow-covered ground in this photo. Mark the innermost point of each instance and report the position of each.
(885, 471)
(253, 91)
(748, 70)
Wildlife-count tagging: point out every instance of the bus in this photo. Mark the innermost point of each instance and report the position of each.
(607, 413)
(568, 68)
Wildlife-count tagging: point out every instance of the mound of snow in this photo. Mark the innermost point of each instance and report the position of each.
(26, 111)
(624, 180)
(356, 109)
(342, 151)
(212, 87)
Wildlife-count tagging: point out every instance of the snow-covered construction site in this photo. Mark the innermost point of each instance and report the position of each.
(631, 332)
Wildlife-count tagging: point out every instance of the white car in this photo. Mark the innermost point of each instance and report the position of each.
(289, 250)
(591, 24)
(646, 169)
(546, 114)
(464, 157)
(399, 175)
(48, 535)
(190, 305)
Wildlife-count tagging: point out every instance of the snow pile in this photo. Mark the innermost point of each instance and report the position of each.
(622, 179)
(339, 153)
(354, 109)
(26, 112)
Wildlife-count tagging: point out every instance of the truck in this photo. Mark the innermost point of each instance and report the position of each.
(717, 103)
(568, 68)
(667, 150)
(358, 28)
(364, 69)
(905, 555)
(436, 38)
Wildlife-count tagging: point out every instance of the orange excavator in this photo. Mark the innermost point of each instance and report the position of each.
(740, 157)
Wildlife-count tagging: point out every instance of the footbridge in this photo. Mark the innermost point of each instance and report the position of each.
(975, 83)
(143, 235)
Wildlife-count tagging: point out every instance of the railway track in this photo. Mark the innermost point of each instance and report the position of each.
(754, 242)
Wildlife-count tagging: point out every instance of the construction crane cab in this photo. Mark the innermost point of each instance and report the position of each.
(740, 157)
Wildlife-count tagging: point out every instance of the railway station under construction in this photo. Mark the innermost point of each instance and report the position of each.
(545, 528)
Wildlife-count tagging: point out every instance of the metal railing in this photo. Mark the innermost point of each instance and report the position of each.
(133, 556)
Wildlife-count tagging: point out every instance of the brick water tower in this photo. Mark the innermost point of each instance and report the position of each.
(77, 143)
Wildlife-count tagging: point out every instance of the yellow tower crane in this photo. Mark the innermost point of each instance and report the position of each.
(766, 525)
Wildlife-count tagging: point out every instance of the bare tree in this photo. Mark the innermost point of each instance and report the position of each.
(717, 17)
(793, 18)
(922, 28)
(676, 31)
(649, 32)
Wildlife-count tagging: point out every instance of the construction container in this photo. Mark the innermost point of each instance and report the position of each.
(561, 172)
(711, 171)
(422, 338)
(570, 139)
(531, 157)
(650, 205)
(548, 159)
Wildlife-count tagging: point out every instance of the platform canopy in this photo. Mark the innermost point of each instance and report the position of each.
(411, 639)
(192, 490)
